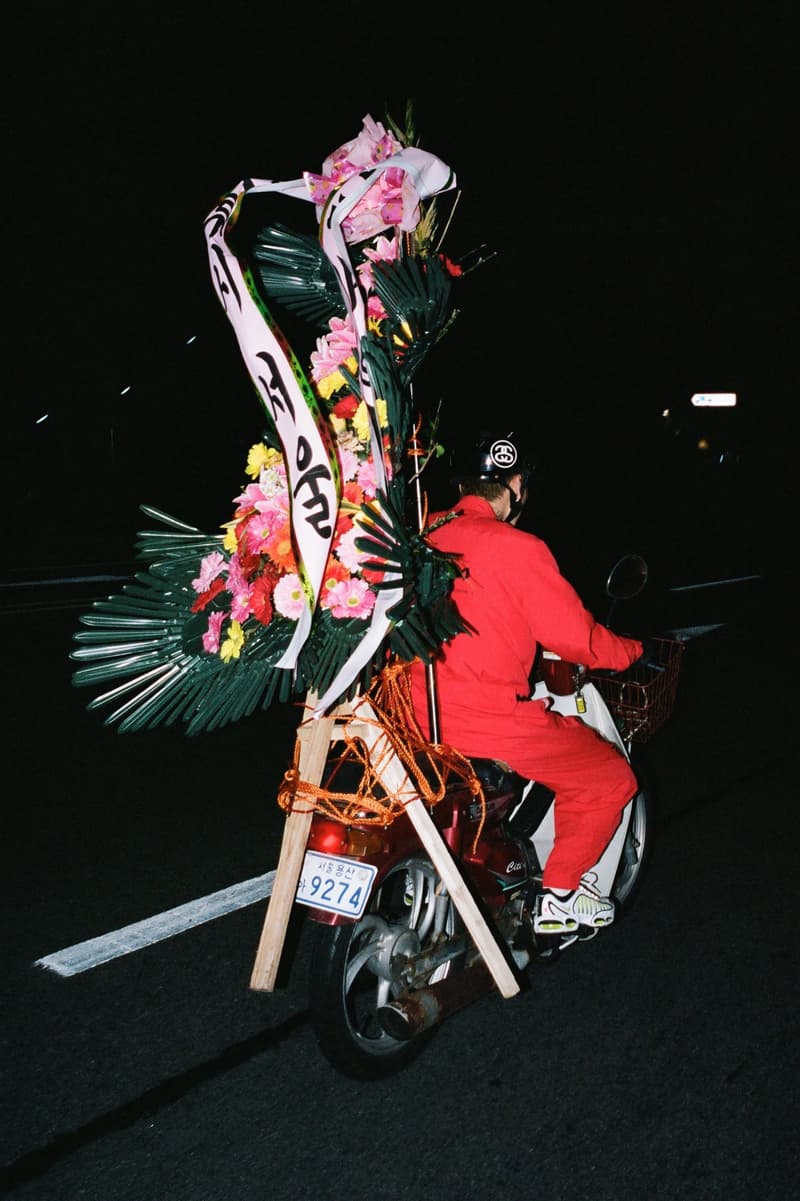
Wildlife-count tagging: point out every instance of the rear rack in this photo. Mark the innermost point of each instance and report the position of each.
(642, 698)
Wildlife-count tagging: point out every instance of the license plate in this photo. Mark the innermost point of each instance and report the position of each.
(336, 884)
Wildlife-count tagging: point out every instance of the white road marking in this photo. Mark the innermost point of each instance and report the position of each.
(85, 955)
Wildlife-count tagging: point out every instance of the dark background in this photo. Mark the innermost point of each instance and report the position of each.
(633, 167)
(629, 166)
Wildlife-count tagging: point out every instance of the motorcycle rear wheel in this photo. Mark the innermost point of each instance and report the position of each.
(354, 970)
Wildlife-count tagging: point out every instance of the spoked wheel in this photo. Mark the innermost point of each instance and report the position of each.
(356, 969)
(635, 852)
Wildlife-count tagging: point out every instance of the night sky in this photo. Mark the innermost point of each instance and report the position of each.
(630, 166)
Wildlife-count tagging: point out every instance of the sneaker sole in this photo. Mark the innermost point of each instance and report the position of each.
(555, 927)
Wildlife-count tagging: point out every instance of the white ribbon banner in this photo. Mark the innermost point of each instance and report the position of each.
(311, 467)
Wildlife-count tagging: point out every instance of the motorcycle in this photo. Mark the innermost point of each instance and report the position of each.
(390, 954)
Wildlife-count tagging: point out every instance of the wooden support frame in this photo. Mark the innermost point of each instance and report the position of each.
(314, 736)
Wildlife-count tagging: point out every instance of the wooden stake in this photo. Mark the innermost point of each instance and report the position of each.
(314, 737)
(395, 780)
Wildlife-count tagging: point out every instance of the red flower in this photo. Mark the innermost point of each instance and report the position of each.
(344, 522)
(249, 565)
(335, 572)
(345, 407)
(261, 599)
(241, 517)
(206, 597)
(353, 493)
(372, 577)
(450, 267)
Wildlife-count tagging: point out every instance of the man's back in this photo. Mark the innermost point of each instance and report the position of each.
(512, 597)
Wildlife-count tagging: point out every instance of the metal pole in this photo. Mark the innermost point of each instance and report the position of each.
(416, 452)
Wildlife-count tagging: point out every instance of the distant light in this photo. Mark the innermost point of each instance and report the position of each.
(43, 417)
(190, 340)
(703, 444)
(717, 400)
(125, 390)
(665, 413)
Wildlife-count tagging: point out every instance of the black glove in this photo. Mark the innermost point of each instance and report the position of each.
(651, 655)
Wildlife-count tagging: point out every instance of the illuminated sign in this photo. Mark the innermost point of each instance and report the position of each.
(717, 400)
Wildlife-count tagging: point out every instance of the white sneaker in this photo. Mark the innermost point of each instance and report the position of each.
(584, 906)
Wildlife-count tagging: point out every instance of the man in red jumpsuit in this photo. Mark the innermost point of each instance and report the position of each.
(514, 599)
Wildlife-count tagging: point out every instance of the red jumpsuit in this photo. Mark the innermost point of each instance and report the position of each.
(513, 597)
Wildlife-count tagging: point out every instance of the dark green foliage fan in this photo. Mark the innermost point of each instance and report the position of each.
(295, 271)
(148, 642)
(424, 616)
(416, 294)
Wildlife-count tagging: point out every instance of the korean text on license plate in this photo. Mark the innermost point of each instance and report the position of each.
(336, 884)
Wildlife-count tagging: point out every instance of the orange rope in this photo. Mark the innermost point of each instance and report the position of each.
(431, 767)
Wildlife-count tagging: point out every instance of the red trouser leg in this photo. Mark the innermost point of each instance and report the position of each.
(592, 781)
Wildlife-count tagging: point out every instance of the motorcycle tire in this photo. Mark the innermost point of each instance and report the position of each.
(354, 971)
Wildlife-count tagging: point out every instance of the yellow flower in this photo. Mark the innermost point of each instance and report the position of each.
(330, 384)
(361, 420)
(234, 641)
(333, 382)
(229, 542)
(260, 456)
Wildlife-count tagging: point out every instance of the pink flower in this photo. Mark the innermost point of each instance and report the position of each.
(211, 636)
(348, 463)
(350, 598)
(346, 551)
(289, 598)
(236, 579)
(210, 567)
(269, 492)
(241, 607)
(392, 200)
(385, 250)
(366, 478)
(371, 146)
(251, 496)
(375, 307)
(261, 527)
(333, 348)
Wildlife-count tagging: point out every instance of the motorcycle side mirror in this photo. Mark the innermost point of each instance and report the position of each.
(627, 577)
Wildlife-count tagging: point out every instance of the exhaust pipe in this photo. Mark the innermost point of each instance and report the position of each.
(408, 1015)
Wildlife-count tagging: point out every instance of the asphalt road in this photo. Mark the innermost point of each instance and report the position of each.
(658, 1062)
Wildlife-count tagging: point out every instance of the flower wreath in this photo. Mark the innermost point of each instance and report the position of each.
(210, 630)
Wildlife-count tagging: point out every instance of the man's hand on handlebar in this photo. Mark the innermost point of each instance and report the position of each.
(650, 656)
